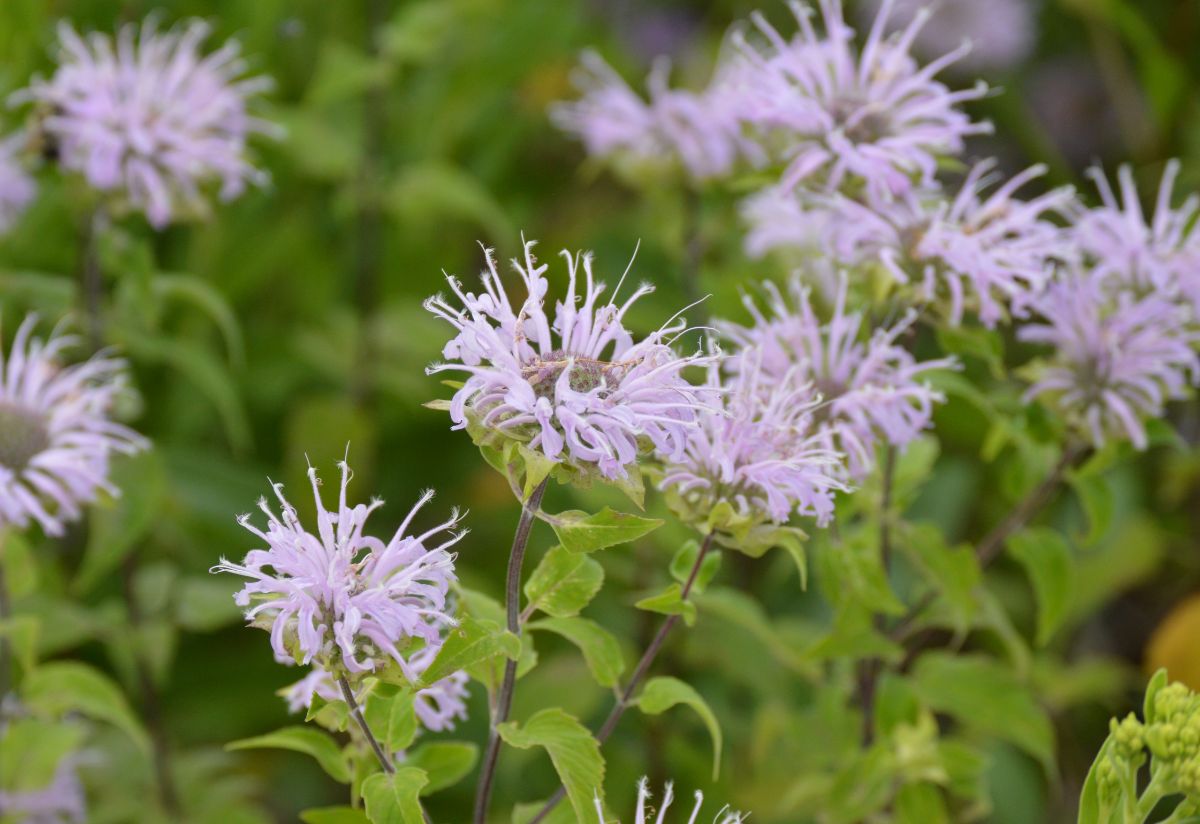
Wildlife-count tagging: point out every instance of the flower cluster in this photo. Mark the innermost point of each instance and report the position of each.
(581, 390)
(57, 438)
(870, 117)
(983, 250)
(1117, 357)
(757, 449)
(645, 808)
(343, 600)
(872, 389)
(148, 118)
(17, 187)
(673, 129)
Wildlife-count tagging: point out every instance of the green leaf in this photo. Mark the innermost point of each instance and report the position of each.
(1156, 683)
(32, 748)
(739, 609)
(985, 696)
(204, 296)
(563, 583)
(975, 342)
(670, 602)
(204, 603)
(116, 526)
(537, 468)
(304, 740)
(334, 815)
(444, 762)
(580, 532)
(68, 686)
(1044, 554)
(21, 633)
(921, 804)
(471, 642)
(664, 692)
(1096, 497)
(954, 571)
(20, 568)
(395, 799)
(685, 559)
(572, 749)
(343, 72)
(600, 648)
(390, 715)
(1089, 797)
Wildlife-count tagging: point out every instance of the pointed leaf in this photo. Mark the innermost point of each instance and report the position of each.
(670, 602)
(580, 532)
(395, 798)
(67, 686)
(471, 642)
(600, 648)
(304, 740)
(117, 525)
(444, 762)
(572, 749)
(664, 692)
(563, 583)
(1046, 558)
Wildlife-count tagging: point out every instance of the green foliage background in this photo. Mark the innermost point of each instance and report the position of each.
(289, 324)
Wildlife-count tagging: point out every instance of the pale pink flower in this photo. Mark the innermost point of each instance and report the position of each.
(147, 117)
(645, 808)
(17, 187)
(872, 388)
(339, 598)
(1002, 33)
(581, 390)
(844, 116)
(57, 436)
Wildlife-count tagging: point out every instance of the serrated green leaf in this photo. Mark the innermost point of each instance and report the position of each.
(572, 749)
(600, 648)
(303, 740)
(444, 762)
(670, 602)
(664, 692)
(563, 583)
(395, 798)
(986, 696)
(116, 525)
(1046, 558)
(468, 644)
(580, 532)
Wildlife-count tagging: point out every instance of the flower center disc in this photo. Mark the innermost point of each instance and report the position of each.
(586, 373)
(23, 434)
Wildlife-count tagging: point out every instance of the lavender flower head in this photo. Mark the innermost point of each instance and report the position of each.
(438, 706)
(62, 801)
(673, 129)
(987, 251)
(581, 390)
(1118, 358)
(645, 809)
(17, 188)
(868, 116)
(56, 434)
(1123, 248)
(340, 599)
(757, 450)
(872, 390)
(148, 118)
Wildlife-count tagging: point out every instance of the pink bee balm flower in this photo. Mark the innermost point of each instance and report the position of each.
(675, 128)
(581, 390)
(869, 116)
(150, 119)
(339, 598)
(645, 809)
(1124, 248)
(757, 449)
(1118, 358)
(56, 434)
(17, 188)
(1001, 32)
(985, 250)
(872, 389)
